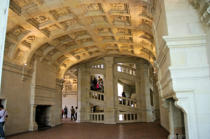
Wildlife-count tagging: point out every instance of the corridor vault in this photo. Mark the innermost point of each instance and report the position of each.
(66, 32)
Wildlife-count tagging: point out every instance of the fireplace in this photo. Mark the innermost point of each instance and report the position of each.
(43, 116)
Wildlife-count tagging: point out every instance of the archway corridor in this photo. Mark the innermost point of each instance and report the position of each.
(132, 66)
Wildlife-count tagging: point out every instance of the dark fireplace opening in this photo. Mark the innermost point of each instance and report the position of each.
(42, 116)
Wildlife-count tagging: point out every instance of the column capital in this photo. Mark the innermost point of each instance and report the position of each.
(109, 60)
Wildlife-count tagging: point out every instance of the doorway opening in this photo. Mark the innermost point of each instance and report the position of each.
(43, 117)
(69, 94)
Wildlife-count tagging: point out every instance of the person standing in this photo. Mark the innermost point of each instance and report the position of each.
(123, 95)
(62, 113)
(75, 113)
(72, 113)
(65, 112)
(3, 117)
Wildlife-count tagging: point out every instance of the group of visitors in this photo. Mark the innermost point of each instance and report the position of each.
(73, 113)
(97, 84)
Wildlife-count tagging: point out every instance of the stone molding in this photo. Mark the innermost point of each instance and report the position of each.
(185, 101)
(24, 71)
(190, 72)
(185, 78)
(185, 41)
(44, 88)
(163, 51)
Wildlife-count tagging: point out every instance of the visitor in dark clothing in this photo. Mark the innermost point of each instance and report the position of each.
(72, 113)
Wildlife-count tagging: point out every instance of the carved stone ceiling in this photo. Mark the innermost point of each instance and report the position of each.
(65, 32)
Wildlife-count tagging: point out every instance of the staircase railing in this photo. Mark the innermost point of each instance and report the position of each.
(126, 69)
(96, 117)
(127, 117)
(129, 102)
(96, 95)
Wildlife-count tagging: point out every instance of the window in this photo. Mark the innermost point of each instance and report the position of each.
(120, 89)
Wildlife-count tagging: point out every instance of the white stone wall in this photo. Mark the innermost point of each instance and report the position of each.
(208, 44)
(4, 6)
(183, 66)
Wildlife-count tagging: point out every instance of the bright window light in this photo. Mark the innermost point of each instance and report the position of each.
(120, 89)
(120, 117)
(119, 69)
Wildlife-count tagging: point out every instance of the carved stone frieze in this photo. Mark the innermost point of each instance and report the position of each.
(104, 30)
(98, 19)
(48, 30)
(23, 6)
(124, 31)
(28, 41)
(94, 7)
(69, 23)
(121, 20)
(82, 41)
(79, 34)
(108, 38)
(61, 12)
(18, 31)
(119, 8)
(52, 52)
(125, 39)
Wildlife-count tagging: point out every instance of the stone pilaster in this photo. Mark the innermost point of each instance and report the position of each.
(83, 79)
(33, 125)
(109, 95)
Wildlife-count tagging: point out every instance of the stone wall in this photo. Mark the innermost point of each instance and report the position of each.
(23, 89)
(16, 91)
(183, 66)
(160, 29)
(46, 90)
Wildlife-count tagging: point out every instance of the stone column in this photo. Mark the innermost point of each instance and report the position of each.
(83, 79)
(171, 121)
(4, 6)
(144, 93)
(58, 101)
(33, 125)
(109, 93)
(138, 91)
(115, 88)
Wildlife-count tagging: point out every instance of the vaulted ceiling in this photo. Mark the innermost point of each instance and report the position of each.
(65, 32)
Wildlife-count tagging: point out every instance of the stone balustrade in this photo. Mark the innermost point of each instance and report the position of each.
(97, 117)
(127, 116)
(99, 66)
(96, 95)
(126, 69)
(127, 101)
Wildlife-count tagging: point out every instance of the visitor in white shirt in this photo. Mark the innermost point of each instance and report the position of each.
(3, 117)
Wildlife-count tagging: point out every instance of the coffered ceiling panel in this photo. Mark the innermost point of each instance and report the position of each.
(65, 32)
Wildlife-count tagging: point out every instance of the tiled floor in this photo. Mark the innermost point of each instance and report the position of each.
(69, 130)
